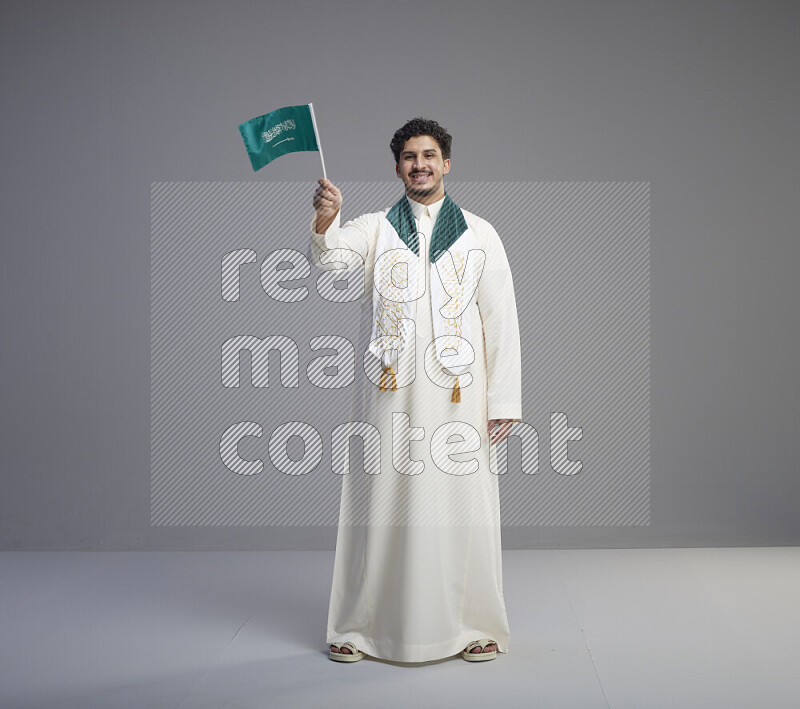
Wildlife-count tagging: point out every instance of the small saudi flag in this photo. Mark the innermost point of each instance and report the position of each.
(287, 130)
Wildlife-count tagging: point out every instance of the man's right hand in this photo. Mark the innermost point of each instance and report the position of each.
(327, 202)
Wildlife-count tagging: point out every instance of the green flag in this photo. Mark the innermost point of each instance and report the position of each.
(287, 130)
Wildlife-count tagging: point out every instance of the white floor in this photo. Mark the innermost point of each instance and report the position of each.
(625, 628)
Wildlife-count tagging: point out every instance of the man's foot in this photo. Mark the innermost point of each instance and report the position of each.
(344, 652)
(480, 650)
(491, 647)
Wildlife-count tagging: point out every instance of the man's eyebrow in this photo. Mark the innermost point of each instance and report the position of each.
(411, 152)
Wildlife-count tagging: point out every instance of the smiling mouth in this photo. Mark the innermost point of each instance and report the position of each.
(420, 176)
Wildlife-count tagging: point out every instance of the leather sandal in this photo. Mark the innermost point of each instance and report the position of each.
(344, 657)
(479, 656)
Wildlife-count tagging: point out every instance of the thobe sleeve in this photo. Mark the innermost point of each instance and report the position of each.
(498, 310)
(355, 235)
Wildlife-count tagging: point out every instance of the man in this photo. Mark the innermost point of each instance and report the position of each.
(417, 573)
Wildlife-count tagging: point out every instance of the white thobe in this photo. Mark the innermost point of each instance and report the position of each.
(418, 569)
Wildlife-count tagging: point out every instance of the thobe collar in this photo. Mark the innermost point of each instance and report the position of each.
(419, 209)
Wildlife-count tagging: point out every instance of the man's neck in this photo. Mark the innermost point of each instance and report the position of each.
(427, 199)
(429, 204)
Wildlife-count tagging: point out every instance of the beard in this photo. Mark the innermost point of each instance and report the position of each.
(413, 190)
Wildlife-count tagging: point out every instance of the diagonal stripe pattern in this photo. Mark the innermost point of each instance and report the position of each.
(236, 429)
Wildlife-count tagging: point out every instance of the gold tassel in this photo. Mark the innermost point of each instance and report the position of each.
(456, 398)
(384, 379)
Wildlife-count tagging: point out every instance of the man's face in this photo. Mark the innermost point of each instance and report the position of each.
(421, 168)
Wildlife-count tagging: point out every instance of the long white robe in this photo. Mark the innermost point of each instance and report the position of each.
(418, 568)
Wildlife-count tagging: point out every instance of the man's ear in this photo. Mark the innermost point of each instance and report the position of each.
(397, 169)
(446, 166)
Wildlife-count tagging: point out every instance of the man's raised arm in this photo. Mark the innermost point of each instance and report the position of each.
(325, 230)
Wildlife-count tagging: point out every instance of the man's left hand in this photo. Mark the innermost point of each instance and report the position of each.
(496, 435)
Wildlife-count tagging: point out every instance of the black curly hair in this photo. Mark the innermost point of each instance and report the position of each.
(421, 126)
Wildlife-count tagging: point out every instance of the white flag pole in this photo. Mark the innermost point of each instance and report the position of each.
(319, 143)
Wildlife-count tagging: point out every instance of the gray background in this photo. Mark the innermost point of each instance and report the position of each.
(102, 99)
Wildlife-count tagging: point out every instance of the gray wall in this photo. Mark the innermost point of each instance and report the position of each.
(101, 99)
